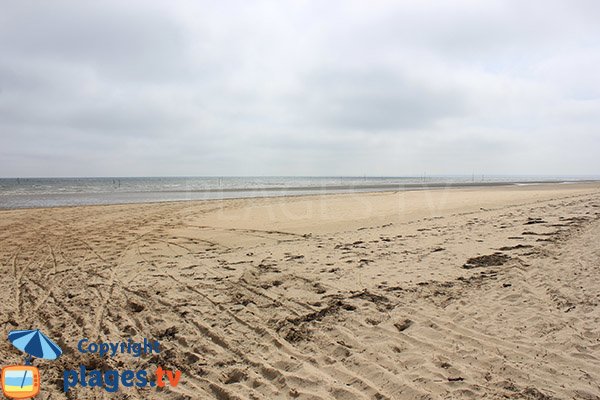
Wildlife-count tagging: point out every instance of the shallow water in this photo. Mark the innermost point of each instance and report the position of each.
(53, 192)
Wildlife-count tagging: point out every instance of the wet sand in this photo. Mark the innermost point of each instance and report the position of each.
(463, 293)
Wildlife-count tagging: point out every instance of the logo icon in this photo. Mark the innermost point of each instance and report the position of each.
(20, 381)
(23, 381)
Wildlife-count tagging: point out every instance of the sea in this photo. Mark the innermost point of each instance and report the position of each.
(56, 192)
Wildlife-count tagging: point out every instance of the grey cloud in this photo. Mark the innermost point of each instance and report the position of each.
(110, 38)
(374, 100)
(340, 87)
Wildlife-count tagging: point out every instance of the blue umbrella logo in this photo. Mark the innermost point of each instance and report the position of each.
(35, 344)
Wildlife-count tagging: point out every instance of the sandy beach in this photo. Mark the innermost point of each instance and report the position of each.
(464, 293)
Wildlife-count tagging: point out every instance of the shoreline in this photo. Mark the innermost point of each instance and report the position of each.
(80, 199)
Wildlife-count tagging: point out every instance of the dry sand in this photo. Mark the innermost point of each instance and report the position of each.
(364, 296)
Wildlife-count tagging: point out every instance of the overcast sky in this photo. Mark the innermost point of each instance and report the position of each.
(127, 88)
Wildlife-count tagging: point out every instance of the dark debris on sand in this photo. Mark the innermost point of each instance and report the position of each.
(403, 325)
(532, 221)
(333, 307)
(295, 329)
(366, 295)
(490, 260)
(517, 247)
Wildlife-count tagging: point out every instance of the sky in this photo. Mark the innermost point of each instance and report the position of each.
(376, 88)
